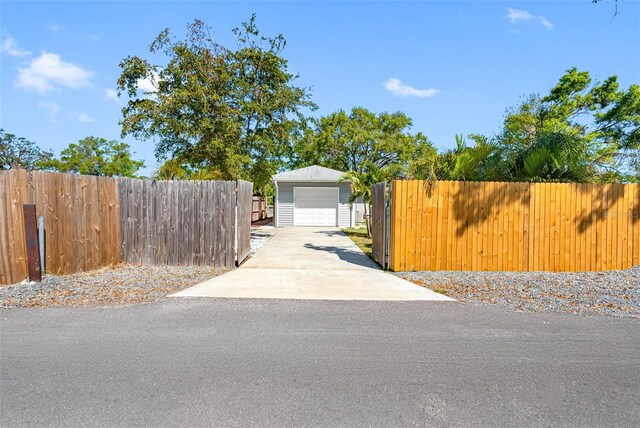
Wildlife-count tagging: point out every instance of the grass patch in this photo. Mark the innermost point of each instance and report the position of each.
(360, 238)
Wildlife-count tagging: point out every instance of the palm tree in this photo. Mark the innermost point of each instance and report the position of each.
(361, 183)
(173, 169)
(551, 157)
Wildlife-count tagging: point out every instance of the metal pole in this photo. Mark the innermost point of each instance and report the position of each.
(41, 241)
(31, 240)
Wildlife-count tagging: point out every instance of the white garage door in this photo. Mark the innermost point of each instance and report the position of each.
(315, 206)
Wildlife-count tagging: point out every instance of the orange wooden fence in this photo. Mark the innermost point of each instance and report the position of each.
(82, 221)
(489, 226)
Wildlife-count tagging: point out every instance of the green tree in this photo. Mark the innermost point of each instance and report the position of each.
(590, 130)
(96, 156)
(464, 162)
(229, 110)
(580, 131)
(174, 170)
(18, 151)
(356, 141)
(361, 182)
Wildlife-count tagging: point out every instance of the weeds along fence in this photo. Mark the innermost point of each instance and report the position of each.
(490, 226)
(91, 222)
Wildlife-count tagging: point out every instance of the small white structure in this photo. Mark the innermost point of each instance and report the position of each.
(358, 211)
(312, 196)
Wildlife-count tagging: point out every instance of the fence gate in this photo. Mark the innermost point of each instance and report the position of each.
(244, 207)
(379, 220)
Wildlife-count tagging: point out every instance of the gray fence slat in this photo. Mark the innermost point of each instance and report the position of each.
(243, 224)
(379, 222)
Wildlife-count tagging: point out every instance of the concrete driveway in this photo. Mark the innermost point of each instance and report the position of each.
(311, 263)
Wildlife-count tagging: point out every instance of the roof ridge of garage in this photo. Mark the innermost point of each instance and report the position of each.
(310, 173)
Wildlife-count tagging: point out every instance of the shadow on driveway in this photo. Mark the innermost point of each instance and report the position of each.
(349, 256)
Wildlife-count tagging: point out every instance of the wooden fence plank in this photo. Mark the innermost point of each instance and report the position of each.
(433, 193)
(17, 194)
(441, 227)
(451, 224)
(460, 227)
(245, 213)
(378, 221)
(636, 224)
(5, 273)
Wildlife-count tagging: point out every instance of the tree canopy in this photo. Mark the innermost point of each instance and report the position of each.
(580, 131)
(361, 140)
(173, 169)
(230, 110)
(96, 156)
(18, 151)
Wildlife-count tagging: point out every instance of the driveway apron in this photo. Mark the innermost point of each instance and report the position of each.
(311, 263)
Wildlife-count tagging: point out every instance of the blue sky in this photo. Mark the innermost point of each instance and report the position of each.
(453, 67)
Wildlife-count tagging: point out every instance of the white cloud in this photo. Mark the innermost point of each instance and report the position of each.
(11, 48)
(48, 71)
(516, 15)
(397, 88)
(148, 84)
(111, 95)
(51, 108)
(545, 23)
(84, 118)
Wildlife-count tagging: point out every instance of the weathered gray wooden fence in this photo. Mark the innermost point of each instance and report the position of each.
(183, 222)
(243, 225)
(379, 223)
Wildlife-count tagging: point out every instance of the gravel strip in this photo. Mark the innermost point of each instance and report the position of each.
(114, 286)
(260, 236)
(612, 293)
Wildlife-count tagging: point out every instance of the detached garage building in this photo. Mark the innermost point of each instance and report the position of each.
(312, 196)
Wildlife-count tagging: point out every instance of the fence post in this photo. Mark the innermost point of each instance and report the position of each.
(41, 241)
(387, 224)
(235, 238)
(31, 237)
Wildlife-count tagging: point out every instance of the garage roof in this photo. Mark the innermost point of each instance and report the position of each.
(314, 173)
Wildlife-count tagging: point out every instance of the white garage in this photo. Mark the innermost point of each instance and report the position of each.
(312, 196)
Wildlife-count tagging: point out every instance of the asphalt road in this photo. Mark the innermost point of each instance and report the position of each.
(202, 362)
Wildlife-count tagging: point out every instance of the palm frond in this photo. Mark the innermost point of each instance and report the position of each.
(535, 161)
